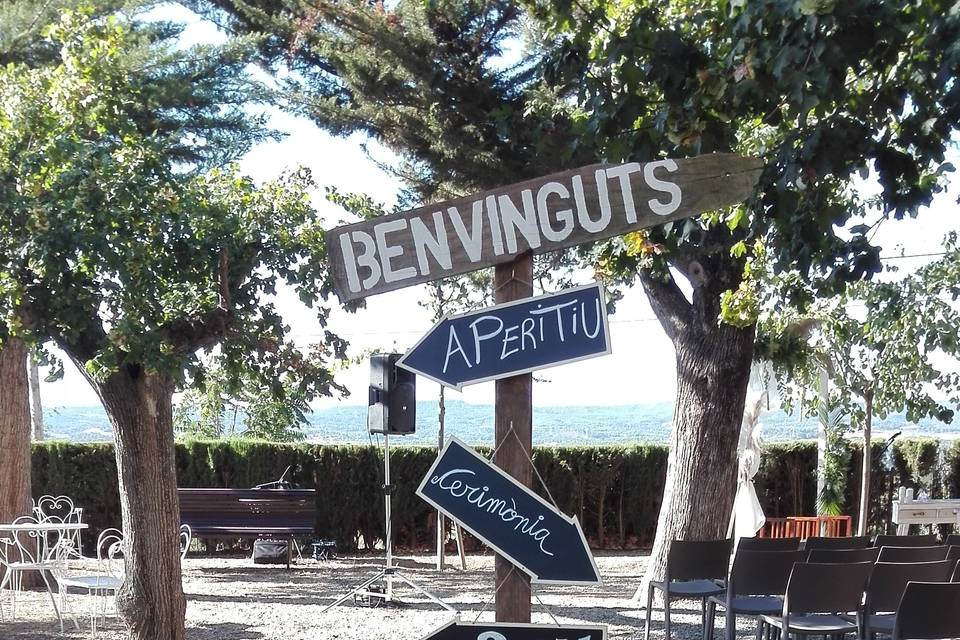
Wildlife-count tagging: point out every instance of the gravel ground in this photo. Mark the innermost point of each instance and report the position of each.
(233, 599)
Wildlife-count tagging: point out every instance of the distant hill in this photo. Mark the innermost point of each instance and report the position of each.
(570, 425)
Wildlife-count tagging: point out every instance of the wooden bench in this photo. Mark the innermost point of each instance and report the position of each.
(249, 513)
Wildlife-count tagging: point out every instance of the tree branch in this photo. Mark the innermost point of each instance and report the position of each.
(668, 302)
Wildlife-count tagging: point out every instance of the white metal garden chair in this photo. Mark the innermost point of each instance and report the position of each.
(22, 551)
(186, 535)
(104, 582)
(60, 509)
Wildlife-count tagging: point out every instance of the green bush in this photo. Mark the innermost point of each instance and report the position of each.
(615, 491)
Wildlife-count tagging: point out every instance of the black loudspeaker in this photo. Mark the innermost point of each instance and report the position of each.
(393, 396)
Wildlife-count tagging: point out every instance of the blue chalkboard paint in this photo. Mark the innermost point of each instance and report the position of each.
(513, 338)
(457, 630)
(508, 517)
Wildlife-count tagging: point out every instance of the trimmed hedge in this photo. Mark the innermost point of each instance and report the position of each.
(614, 490)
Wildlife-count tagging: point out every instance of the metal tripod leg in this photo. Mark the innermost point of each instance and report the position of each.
(360, 587)
(413, 585)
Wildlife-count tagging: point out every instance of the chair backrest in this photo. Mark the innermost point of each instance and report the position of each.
(826, 588)
(905, 541)
(768, 544)
(928, 611)
(24, 546)
(110, 556)
(55, 508)
(803, 526)
(912, 554)
(889, 579)
(953, 552)
(698, 559)
(761, 573)
(953, 540)
(853, 542)
(186, 535)
(842, 556)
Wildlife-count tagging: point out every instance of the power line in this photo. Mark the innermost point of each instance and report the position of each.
(915, 255)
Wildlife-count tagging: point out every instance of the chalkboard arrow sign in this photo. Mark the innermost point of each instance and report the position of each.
(513, 338)
(507, 516)
(539, 215)
(456, 630)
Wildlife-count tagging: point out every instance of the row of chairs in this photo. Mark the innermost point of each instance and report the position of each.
(810, 590)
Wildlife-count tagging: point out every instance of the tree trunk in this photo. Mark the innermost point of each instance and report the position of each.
(713, 370)
(35, 401)
(15, 498)
(867, 464)
(140, 406)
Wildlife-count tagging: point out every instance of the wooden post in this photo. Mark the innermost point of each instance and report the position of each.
(514, 407)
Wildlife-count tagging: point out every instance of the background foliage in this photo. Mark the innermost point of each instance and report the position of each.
(614, 490)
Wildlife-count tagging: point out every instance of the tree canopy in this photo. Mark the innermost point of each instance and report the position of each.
(122, 254)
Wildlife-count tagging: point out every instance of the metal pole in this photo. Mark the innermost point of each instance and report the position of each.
(514, 421)
(387, 489)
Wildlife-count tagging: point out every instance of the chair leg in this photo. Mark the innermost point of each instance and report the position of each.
(711, 613)
(646, 629)
(731, 622)
(666, 615)
(3, 583)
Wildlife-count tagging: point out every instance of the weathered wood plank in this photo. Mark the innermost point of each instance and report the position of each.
(540, 215)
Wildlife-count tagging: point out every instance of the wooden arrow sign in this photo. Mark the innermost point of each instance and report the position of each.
(540, 215)
(513, 338)
(508, 517)
(456, 630)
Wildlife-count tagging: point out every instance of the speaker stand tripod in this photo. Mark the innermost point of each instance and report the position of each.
(389, 575)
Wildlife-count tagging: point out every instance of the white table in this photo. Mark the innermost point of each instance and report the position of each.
(908, 511)
(39, 530)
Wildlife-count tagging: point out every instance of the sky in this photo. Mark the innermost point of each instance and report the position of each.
(640, 369)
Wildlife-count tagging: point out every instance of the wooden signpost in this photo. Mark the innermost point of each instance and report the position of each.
(503, 228)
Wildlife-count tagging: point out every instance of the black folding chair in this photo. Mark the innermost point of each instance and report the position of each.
(695, 570)
(928, 611)
(768, 544)
(819, 598)
(953, 540)
(844, 542)
(842, 556)
(905, 541)
(912, 554)
(885, 590)
(756, 586)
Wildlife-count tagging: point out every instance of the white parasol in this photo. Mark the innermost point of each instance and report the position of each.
(747, 517)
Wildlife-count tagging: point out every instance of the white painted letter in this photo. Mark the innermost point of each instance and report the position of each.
(565, 216)
(387, 252)
(622, 172)
(451, 350)
(583, 214)
(436, 243)
(507, 340)
(496, 234)
(366, 259)
(653, 182)
(472, 242)
(513, 220)
(478, 338)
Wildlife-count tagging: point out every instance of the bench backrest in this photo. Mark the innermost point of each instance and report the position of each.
(287, 508)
